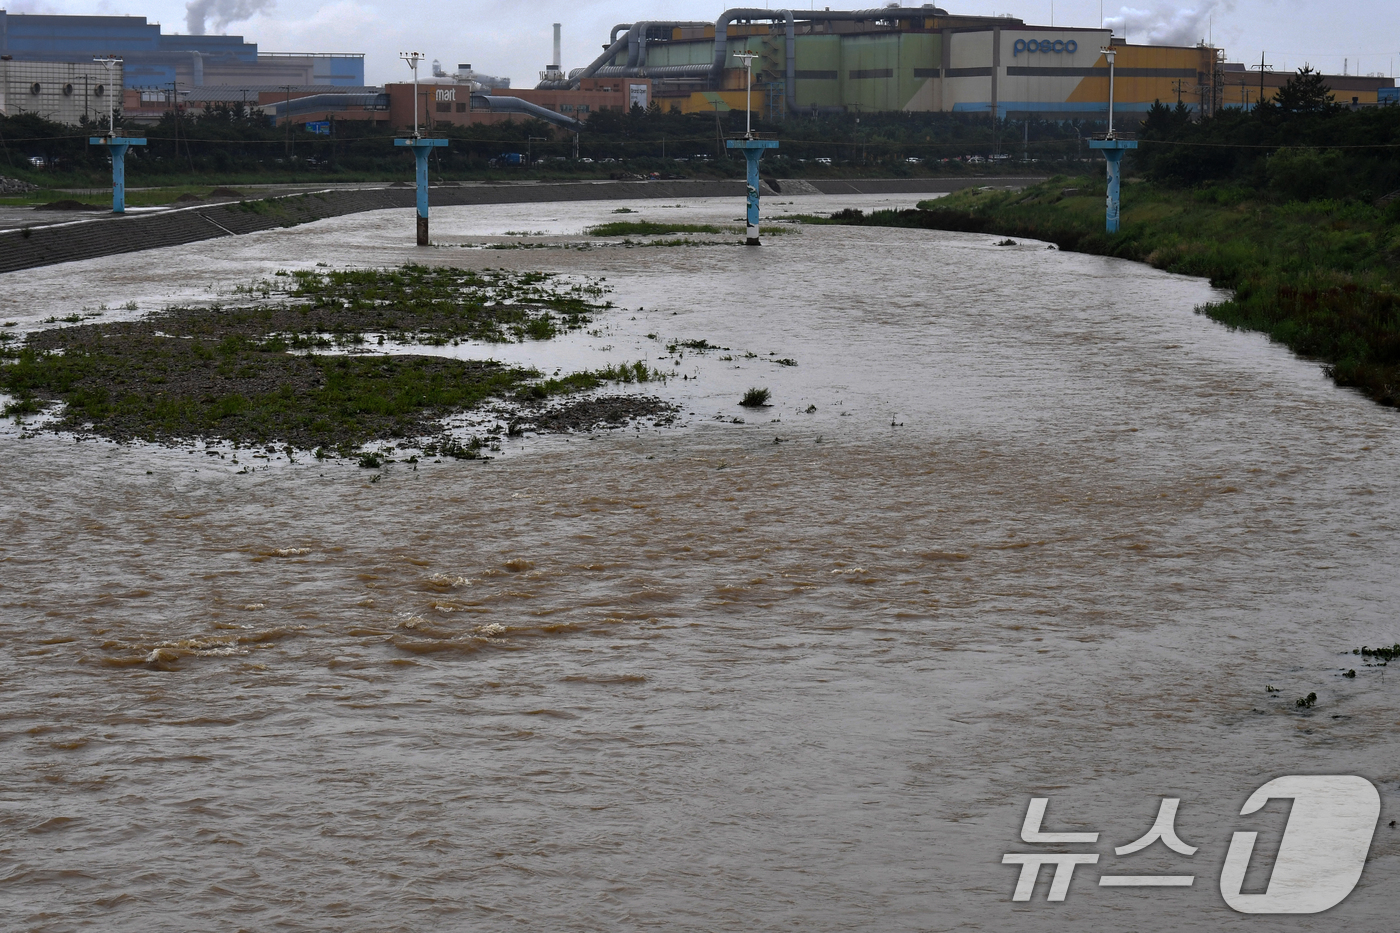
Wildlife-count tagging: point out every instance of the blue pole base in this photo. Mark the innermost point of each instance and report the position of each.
(1113, 150)
(753, 150)
(421, 147)
(117, 146)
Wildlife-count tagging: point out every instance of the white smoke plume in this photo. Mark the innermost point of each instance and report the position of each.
(1168, 23)
(199, 13)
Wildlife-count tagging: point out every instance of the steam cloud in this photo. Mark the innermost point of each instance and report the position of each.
(222, 12)
(1167, 23)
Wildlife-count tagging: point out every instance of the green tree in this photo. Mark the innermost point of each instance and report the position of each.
(1305, 92)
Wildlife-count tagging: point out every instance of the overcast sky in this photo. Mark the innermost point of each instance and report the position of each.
(513, 37)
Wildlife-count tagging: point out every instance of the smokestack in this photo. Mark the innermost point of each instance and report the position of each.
(558, 58)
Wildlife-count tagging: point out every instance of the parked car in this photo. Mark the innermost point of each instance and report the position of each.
(914, 160)
(823, 161)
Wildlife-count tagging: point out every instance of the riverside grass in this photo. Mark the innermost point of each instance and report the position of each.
(1322, 277)
(252, 373)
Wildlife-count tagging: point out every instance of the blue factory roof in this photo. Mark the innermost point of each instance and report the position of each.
(36, 36)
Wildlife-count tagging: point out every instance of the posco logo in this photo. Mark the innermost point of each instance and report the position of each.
(1044, 45)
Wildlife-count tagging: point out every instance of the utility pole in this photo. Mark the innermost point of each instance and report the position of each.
(1261, 78)
(287, 116)
(175, 112)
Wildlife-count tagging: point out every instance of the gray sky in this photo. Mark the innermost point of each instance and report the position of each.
(513, 38)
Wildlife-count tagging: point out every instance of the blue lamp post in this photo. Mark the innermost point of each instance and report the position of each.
(116, 145)
(1112, 148)
(421, 146)
(753, 150)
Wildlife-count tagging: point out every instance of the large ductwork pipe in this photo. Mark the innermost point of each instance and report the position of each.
(722, 47)
(608, 55)
(498, 104)
(637, 40)
(325, 103)
(620, 27)
(661, 71)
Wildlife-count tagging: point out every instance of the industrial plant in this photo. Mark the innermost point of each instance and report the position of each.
(923, 59)
(805, 64)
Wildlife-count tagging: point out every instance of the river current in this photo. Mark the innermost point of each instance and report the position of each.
(1019, 523)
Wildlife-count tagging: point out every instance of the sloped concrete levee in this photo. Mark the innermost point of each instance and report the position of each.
(49, 245)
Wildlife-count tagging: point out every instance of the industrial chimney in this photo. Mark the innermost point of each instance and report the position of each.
(555, 71)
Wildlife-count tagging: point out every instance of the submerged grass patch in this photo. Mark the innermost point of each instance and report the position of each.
(416, 303)
(248, 374)
(649, 228)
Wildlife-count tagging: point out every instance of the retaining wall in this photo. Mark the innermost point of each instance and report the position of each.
(112, 235)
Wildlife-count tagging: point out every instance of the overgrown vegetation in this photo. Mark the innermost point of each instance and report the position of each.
(247, 374)
(1312, 263)
(230, 146)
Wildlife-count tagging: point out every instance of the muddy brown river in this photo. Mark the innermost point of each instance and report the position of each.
(1019, 524)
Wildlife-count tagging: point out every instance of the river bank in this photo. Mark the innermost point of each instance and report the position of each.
(800, 671)
(1321, 277)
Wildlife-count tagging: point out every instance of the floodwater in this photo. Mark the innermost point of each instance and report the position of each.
(1045, 532)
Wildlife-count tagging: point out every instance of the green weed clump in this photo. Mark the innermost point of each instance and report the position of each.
(1383, 655)
(755, 398)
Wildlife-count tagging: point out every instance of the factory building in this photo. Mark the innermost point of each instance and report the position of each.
(65, 92)
(156, 60)
(916, 59)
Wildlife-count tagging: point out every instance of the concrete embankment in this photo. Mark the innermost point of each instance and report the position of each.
(44, 245)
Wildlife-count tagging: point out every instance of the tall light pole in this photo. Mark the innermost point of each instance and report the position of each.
(1110, 54)
(109, 63)
(747, 58)
(413, 58)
